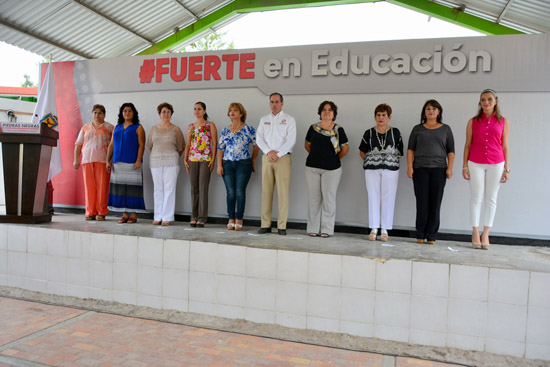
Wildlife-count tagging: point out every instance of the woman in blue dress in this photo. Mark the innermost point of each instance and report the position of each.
(124, 158)
(235, 163)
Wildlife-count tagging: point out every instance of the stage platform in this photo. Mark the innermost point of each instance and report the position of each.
(443, 296)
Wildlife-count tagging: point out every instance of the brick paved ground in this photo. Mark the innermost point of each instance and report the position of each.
(81, 338)
(18, 319)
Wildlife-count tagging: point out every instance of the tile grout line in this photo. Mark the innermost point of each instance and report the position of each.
(16, 362)
(389, 361)
(46, 330)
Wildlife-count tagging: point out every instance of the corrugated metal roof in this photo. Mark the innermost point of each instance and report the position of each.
(529, 16)
(76, 29)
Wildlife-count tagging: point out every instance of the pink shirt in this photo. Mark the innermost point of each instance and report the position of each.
(95, 142)
(486, 145)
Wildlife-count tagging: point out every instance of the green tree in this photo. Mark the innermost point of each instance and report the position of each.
(213, 41)
(28, 82)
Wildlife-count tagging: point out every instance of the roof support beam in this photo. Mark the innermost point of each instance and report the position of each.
(250, 6)
(45, 40)
(455, 16)
(187, 10)
(503, 12)
(197, 27)
(451, 15)
(112, 21)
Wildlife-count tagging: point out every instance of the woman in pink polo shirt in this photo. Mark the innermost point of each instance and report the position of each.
(486, 163)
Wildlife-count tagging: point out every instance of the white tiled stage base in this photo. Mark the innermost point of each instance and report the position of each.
(475, 308)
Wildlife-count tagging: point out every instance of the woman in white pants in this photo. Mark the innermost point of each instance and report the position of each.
(380, 150)
(166, 144)
(486, 163)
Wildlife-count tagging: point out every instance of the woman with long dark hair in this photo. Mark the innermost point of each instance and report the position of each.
(124, 158)
(430, 157)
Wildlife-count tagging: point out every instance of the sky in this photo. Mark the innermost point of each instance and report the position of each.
(320, 25)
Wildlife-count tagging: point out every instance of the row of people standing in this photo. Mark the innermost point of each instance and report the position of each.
(112, 157)
(430, 159)
(430, 153)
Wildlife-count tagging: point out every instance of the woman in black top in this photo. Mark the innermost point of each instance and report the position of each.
(380, 150)
(326, 143)
(430, 158)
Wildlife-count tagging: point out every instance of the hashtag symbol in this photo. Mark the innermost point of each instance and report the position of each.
(147, 71)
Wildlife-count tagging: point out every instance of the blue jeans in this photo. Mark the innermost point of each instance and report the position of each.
(236, 175)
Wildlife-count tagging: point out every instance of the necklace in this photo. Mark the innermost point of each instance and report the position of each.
(233, 129)
(381, 142)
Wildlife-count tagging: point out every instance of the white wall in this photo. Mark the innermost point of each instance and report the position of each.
(505, 311)
(523, 208)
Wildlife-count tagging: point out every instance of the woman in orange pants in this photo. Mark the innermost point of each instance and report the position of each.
(92, 143)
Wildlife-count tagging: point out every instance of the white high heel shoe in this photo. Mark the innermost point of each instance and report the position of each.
(373, 234)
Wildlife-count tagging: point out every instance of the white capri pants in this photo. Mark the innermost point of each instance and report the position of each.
(164, 182)
(484, 185)
(381, 189)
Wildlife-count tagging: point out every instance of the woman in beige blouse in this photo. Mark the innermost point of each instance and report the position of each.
(166, 144)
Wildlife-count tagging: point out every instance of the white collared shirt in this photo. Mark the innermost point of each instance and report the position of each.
(276, 133)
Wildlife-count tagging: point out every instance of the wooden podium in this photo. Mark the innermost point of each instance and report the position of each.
(26, 160)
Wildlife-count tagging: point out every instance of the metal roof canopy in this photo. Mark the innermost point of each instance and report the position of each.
(89, 29)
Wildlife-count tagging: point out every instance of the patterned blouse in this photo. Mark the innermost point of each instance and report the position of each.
(200, 140)
(95, 142)
(382, 151)
(235, 145)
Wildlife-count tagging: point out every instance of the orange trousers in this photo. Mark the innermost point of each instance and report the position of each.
(96, 188)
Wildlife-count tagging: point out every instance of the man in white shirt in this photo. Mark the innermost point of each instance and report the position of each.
(275, 136)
